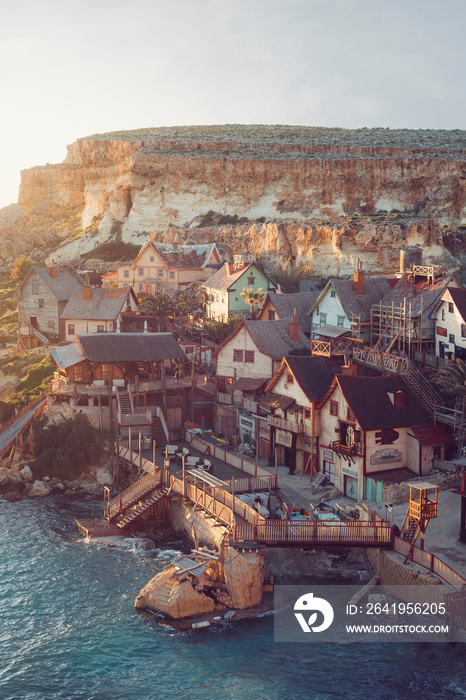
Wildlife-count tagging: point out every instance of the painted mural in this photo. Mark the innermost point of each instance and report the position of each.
(388, 455)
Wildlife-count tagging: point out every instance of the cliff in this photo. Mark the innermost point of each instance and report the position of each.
(326, 194)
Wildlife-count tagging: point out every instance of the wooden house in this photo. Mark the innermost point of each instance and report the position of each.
(373, 426)
(293, 393)
(281, 306)
(97, 310)
(42, 297)
(162, 267)
(224, 288)
(450, 325)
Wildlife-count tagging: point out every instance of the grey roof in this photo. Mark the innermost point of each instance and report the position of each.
(66, 282)
(272, 338)
(285, 304)
(221, 280)
(68, 355)
(375, 289)
(329, 331)
(310, 285)
(105, 304)
(130, 347)
(419, 294)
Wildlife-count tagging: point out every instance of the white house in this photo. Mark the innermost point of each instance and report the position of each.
(450, 325)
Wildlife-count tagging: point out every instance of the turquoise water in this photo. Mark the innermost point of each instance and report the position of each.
(68, 630)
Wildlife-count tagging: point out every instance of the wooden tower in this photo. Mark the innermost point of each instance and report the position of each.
(423, 500)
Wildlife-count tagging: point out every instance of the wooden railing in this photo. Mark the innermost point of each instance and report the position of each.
(430, 562)
(285, 424)
(131, 495)
(142, 418)
(444, 465)
(328, 348)
(384, 361)
(258, 483)
(209, 502)
(37, 403)
(61, 387)
(355, 533)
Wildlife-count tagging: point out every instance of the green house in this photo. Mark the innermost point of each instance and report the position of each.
(224, 289)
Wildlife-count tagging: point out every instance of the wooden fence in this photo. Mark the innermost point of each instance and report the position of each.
(317, 533)
(131, 495)
(430, 562)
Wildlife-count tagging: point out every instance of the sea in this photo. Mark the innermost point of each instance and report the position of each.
(69, 631)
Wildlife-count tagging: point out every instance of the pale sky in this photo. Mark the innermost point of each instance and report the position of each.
(70, 68)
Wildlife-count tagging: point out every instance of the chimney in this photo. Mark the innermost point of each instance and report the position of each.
(180, 254)
(230, 268)
(175, 245)
(294, 327)
(53, 271)
(358, 279)
(87, 292)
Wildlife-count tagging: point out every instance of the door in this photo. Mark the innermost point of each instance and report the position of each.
(307, 463)
(174, 417)
(351, 487)
(265, 448)
(329, 471)
(441, 349)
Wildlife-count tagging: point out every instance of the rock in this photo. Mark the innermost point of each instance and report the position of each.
(244, 577)
(27, 474)
(58, 488)
(90, 489)
(46, 479)
(39, 490)
(54, 481)
(9, 481)
(173, 598)
(13, 496)
(103, 477)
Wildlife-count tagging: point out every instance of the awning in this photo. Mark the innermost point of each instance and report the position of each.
(331, 331)
(249, 384)
(431, 435)
(68, 355)
(276, 401)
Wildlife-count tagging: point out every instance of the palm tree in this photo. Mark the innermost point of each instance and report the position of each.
(253, 297)
(160, 306)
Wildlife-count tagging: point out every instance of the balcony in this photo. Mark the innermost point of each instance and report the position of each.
(344, 449)
(285, 424)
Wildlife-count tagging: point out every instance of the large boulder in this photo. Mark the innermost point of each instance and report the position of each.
(27, 474)
(13, 496)
(39, 489)
(173, 598)
(103, 477)
(9, 481)
(244, 577)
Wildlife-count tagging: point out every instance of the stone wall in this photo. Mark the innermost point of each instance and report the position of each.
(186, 520)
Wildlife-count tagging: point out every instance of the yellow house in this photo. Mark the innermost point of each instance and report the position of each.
(161, 267)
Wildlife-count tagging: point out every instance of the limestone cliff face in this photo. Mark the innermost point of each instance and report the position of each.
(297, 178)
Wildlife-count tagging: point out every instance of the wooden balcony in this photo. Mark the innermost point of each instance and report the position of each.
(285, 424)
(344, 449)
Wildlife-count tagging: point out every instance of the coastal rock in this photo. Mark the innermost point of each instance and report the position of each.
(173, 598)
(9, 481)
(39, 489)
(103, 477)
(13, 496)
(27, 474)
(244, 577)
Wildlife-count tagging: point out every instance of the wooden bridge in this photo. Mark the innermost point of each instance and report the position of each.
(20, 422)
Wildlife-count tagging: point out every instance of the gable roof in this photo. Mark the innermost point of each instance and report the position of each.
(270, 337)
(422, 295)
(66, 282)
(222, 280)
(104, 305)
(459, 299)
(285, 304)
(183, 257)
(130, 347)
(369, 400)
(311, 374)
(375, 289)
(68, 355)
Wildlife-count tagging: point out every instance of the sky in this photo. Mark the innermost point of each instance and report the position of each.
(71, 69)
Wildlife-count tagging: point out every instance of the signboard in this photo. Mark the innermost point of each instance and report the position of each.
(349, 471)
(441, 331)
(327, 455)
(283, 438)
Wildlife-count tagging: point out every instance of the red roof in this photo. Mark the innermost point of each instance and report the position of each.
(430, 435)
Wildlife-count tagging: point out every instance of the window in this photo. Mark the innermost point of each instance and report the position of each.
(289, 378)
(51, 325)
(216, 297)
(40, 303)
(323, 319)
(451, 338)
(399, 399)
(333, 293)
(160, 273)
(307, 413)
(350, 414)
(172, 275)
(107, 371)
(158, 287)
(463, 330)
(334, 408)
(78, 373)
(237, 355)
(152, 258)
(249, 356)
(386, 436)
(140, 287)
(271, 315)
(189, 350)
(100, 329)
(171, 288)
(340, 321)
(450, 307)
(126, 273)
(251, 280)
(35, 286)
(140, 271)
(71, 329)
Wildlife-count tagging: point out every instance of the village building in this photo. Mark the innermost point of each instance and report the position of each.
(281, 306)
(224, 288)
(373, 426)
(245, 362)
(344, 306)
(450, 325)
(42, 297)
(127, 382)
(162, 267)
(97, 310)
(293, 393)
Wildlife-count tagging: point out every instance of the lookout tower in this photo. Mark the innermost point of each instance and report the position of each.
(423, 500)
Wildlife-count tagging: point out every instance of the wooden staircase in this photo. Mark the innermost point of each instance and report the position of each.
(136, 512)
(124, 401)
(157, 432)
(410, 532)
(141, 488)
(422, 388)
